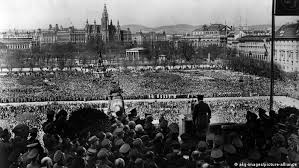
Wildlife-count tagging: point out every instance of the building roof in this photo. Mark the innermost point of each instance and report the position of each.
(135, 49)
(254, 38)
(212, 27)
(190, 37)
(231, 34)
(215, 27)
(288, 31)
(198, 29)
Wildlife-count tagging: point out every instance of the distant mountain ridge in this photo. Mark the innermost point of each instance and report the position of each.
(181, 28)
(169, 29)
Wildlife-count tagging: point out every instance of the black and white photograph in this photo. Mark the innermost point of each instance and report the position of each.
(149, 83)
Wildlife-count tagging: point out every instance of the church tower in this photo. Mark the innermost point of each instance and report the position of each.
(86, 26)
(118, 30)
(104, 25)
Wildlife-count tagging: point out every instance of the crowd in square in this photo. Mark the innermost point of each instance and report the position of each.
(135, 142)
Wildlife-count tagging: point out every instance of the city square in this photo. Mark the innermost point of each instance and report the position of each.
(110, 88)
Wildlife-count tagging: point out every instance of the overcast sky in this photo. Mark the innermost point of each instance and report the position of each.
(32, 14)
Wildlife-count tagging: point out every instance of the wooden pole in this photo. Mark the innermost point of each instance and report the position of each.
(272, 55)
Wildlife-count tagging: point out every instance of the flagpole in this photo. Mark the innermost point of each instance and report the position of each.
(272, 55)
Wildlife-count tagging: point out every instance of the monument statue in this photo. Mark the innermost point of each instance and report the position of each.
(116, 103)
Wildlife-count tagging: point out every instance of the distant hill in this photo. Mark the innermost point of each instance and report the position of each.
(182, 28)
(262, 27)
(136, 28)
(169, 29)
(177, 29)
(259, 27)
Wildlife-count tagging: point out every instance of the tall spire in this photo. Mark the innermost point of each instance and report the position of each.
(105, 8)
(105, 12)
(104, 24)
(118, 26)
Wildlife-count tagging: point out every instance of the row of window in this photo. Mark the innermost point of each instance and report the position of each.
(261, 47)
(257, 56)
(289, 68)
(19, 46)
(287, 55)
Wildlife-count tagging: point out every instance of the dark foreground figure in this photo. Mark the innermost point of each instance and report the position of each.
(201, 118)
(137, 143)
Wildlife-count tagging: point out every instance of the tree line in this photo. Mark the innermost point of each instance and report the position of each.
(255, 67)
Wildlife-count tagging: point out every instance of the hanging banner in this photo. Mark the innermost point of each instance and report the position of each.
(286, 8)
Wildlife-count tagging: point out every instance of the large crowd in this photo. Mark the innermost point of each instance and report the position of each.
(133, 141)
(224, 110)
(79, 86)
(35, 136)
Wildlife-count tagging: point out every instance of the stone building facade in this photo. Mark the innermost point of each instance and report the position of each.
(286, 53)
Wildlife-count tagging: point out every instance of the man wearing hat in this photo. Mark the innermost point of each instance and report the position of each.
(33, 157)
(33, 136)
(218, 159)
(91, 157)
(5, 147)
(19, 142)
(201, 116)
(49, 126)
(133, 114)
(93, 141)
(103, 159)
(79, 160)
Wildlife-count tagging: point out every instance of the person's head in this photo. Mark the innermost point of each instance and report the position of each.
(102, 155)
(272, 113)
(149, 119)
(126, 128)
(200, 97)
(202, 146)
(119, 163)
(139, 163)
(159, 136)
(175, 147)
(139, 128)
(292, 119)
(109, 135)
(46, 162)
(59, 157)
(132, 124)
(32, 155)
(101, 135)
(119, 132)
(132, 134)
(205, 165)
(33, 132)
(81, 151)
(50, 115)
(137, 143)
(133, 113)
(5, 135)
(62, 115)
(163, 124)
(150, 155)
(94, 140)
(195, 155)
(106, 143)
